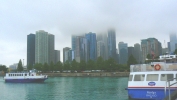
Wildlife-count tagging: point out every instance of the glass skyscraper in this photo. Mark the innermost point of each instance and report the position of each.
(103, 39)
(173, 42)
(30, 50)
(41, 47)
(123, 52)
(91, 38)
(66, 54)
(51, 48)
(57, 56)
(137, 52)
(112, 44)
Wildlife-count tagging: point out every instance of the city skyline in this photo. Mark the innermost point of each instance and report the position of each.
(132, 20)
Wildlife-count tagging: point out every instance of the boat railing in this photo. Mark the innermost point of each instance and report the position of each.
(169, 85)
(155, 66)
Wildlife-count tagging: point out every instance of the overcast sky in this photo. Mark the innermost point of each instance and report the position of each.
(133, 20)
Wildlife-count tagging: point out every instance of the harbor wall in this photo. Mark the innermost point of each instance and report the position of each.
(96, 74)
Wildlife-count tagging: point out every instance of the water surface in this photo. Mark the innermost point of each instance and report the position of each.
(67, 88)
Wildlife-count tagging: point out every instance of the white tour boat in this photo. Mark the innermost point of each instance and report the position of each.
(154, 81)
(25, 77)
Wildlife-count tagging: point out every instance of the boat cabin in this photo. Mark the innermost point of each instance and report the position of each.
(19, 74)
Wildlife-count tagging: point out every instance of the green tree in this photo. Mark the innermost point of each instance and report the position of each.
(175, 52)
(111, 64)
(45, 67)
(131, 60)
(74, 65)
(148, 56)
(51, 66)
(20, 67)
(66, 65)
(82, 65)
(30, 67)
(38, 66)
(100, 63)
(90, 65)
(58, 66)
(3, 68)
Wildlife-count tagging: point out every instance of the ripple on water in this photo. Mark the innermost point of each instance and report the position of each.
(67, 88)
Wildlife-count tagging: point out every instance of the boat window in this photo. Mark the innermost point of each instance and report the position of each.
(139, 77)
(25, 74)
(152, 77)
(165, 77)
(130, 77)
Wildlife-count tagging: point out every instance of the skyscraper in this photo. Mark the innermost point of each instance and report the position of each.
(66, 54)
(57, 56)
(71, 55)
(101, 49)
(30, 50)
(51, 47)
(91, 38)
(41, 47)
(73, 42)
(123, 52)
(104, 39)
(131, 51)
(150, 46)
(112, 44)
(173, 42)
(168, 43)
(137, 52)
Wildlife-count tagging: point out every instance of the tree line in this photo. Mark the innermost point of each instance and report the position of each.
(109, 65)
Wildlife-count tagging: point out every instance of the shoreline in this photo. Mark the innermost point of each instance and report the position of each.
(96, 74)
(90, 74)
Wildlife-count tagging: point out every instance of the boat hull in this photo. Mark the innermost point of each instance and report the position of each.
(25, 80)
(150, 94)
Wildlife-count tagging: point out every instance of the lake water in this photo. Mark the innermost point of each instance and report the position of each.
(67, 88)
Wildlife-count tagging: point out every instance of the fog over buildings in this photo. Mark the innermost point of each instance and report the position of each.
(132, 20)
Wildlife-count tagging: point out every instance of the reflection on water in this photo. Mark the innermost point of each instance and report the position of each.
(67, 88)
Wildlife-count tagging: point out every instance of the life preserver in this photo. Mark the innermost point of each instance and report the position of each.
(157, 67)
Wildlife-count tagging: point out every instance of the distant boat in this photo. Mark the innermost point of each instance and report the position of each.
(30, 77)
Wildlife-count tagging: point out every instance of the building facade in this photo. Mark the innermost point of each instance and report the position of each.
(168, 43)
(41, 47)
(51, 48)
(66, 54)
(173, 42)
(30, 50)
(123, 52)
(150, 46)
(137, 52)
(101, 49)
(131, 52)
(103, 38)
(91, 41)
(112, 44)
(57, 56)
